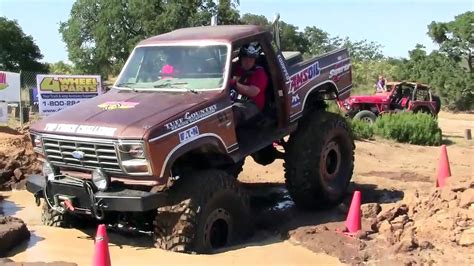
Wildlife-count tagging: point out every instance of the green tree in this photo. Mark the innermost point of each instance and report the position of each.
(319, 41)
(456, 38)
(100, 34)
(18, 51)
(61, 68)
(252, 19)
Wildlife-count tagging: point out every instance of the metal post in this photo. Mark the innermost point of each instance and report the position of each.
(20, 105)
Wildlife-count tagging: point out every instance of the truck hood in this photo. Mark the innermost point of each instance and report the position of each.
(118, 114)
(376, 98)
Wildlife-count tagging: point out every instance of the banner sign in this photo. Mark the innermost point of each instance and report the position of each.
(9, 86)
(3, 113)
(56, 92)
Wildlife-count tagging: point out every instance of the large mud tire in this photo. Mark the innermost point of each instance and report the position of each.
(207, 211)
(53, 218)
(235, 169)
(319, 161)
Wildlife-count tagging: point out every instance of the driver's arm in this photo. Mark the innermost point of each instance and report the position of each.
(247, 90)
(258, 82)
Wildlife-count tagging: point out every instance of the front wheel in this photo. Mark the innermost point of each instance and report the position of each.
(320, 160)
(208, 211)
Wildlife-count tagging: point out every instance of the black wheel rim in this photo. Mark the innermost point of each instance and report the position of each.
(218, 229)
(330, 164)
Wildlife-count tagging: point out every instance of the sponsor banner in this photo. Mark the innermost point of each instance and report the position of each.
(9, 86)
(3, 112)
(56, 92)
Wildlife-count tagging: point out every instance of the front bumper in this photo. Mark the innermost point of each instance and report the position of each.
(82, 198)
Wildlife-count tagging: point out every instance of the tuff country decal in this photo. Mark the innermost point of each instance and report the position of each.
(191, 117)
(80, 129)
(299, 79)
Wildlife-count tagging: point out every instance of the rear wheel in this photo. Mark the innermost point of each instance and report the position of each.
(207, 211)
(366, 116)
(319, 161)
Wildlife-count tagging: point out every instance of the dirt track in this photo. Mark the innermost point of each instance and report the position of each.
(385, 172)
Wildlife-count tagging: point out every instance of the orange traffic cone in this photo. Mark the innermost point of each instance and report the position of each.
(101, 254)
(353, 217)
(444, 170)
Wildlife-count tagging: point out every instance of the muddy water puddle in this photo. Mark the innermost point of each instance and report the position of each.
(53, 244)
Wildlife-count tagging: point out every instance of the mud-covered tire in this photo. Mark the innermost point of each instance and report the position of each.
(53, 218)
(366, 116)
(207, 211)
(319, 161)
(265, 156)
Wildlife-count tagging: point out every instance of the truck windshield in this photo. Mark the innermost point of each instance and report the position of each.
(176, 68)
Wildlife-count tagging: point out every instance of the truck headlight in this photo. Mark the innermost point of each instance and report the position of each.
(100, 180)
(133, 158)
(37, 143)
(48, 171)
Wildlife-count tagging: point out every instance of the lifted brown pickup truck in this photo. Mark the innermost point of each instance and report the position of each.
(164, 147)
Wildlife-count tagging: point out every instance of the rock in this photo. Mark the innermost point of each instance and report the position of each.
(406, 244)
(13, 231)
(467, 237)
(18, 174)
(426, 245)
(393, 212)
(21, 185)
(448, 195)
(362, 234)
(467, 198)
(453, 204)
(411, 197)
(370, 210)
(385, 228)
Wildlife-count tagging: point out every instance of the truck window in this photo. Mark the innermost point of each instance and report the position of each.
(175, 68)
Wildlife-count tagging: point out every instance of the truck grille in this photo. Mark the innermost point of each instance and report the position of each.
(95, 155)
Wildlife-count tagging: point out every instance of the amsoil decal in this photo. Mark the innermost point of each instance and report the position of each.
(3, 80)
(188, 134)
(191, 117)
(117, 105)
(301, 78)
(336, 73)
(80, 129)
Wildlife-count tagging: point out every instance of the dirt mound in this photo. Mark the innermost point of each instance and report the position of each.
(13, 231)
(16, 158)
(426, 227)
(435, 228)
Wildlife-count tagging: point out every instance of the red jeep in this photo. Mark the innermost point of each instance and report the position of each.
(399, 96)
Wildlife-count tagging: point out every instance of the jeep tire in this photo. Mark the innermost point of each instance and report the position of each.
(207, 211)
(319, 161)
(53, 218)
(366, 116)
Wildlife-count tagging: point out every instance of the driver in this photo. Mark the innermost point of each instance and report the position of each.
(248, 85)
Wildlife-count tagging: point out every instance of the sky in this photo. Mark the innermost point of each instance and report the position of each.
(398, 25)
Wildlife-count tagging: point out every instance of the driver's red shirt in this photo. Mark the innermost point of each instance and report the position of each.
(257, 78)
